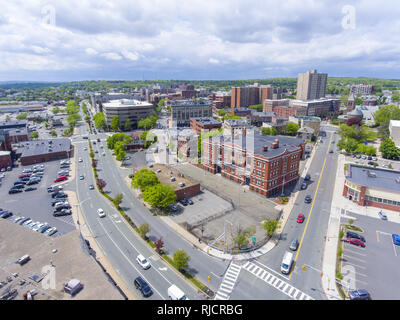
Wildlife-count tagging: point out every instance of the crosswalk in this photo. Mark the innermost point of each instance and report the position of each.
(228, 282)
(276, 282)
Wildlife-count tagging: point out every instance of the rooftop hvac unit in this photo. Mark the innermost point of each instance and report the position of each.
(371, 174)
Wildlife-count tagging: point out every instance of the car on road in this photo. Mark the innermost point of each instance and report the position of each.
(81, 177)
(143, 287)
(61, 178)
(294, 245)
(62, 212)
(360, 294)
(350, 234)
(103, 154)
(300, 218)
(303, 186)
(331, 151)
(307, 177)
(80, 160)
(30, 189)
(12, 191)
(91, 187)
(382, 215)
(101, 213)
(307, 199)
(396, 239)
(355, 241)
(142, 261)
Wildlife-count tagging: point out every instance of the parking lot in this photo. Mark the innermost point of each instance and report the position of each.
(375, 267)
(35, 204)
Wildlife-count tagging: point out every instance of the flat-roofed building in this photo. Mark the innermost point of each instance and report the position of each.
(31, 152)
(317, 107)
(311, 85)
(206, 123)
(132, 110)
(373, 187)
(183, 110)
(394, 129)
(5, 159)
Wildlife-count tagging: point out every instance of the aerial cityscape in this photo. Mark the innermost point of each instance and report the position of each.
(218, 151)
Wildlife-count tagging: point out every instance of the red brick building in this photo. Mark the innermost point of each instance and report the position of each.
(201, 124)
(265, 163)
(5, 159)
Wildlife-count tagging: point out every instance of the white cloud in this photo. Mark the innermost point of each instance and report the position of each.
(111, 56)
(91, 51)
(130, 55)
(213, 61)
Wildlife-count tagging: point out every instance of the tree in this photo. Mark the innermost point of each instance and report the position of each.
(181, 259)
(99, 121)
(159, 195)
(274, 132)
(148, 123)
(127, 125)
(221, 112)
(22, 116)
(383, 117)
(159, 245)
(115, 123)
(270, 226)
(389, 150)
(34, 135)
(231, 117)
(8, 118)
(144, 229)
(292, 128)
(266, 131)
(144, 179)
(118, 199)
(395, 98)
(258, 107)
(120, 155)
(101, 183)
(122, 137)
(241, 240)
(53, 133)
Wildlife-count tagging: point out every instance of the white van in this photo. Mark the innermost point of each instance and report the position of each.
(174, 293)
(287, 262)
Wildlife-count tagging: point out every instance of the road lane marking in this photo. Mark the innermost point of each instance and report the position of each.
(311, 209)
(377, 236)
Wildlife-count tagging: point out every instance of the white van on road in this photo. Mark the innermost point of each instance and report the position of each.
(287, 262)
(174, 293)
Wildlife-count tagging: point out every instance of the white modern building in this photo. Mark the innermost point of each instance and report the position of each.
(394, 129)
(125, 109)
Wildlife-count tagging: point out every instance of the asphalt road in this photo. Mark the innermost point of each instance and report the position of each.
(310, 251)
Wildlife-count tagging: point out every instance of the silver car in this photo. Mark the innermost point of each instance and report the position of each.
(294, 245)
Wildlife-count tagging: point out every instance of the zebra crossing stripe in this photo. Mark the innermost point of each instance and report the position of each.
(228, 283)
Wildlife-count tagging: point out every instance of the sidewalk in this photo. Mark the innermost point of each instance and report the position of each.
(286, 210)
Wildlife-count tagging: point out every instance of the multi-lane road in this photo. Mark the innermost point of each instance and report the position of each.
(121, 245)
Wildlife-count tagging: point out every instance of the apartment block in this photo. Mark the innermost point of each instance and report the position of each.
(183, 110)
(311, 85)
(361, 89)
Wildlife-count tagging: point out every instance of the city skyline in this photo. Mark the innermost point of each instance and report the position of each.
(168, 40)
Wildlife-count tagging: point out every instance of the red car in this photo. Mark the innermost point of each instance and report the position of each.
(300, 218)
(60, 178)
(25, 175)
(356, 242)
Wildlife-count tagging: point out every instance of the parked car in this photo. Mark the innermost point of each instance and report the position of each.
(12, 191)
(355, 241)
(30, 189)
(60, 206)
(81, 177)
(23, 220)
(382, 215)
(29, 183)
(350, 234)
(61, 178)
(62, 212)
(58, 200)
(141, 260)
(173, 207)
(300, 218)
(294, 244)
(143, 287)
(190, 201)
(360, 294)
(6, 214)
(307, 177)
(303, 186)
(43, 228)
(308, 199)
(184, 202)
(51, 231)
(91, 187)
(369, 158)
(396, 239)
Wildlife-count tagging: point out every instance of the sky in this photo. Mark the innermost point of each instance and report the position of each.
(68, 40)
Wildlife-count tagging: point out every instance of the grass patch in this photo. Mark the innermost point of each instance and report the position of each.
(338, 270)
(354, 228)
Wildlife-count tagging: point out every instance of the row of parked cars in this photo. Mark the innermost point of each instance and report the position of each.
(27, 222)
(29, 177)
(59, 201)
(64, 172)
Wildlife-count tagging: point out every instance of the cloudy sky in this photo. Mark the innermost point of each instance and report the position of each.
(67, 40)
